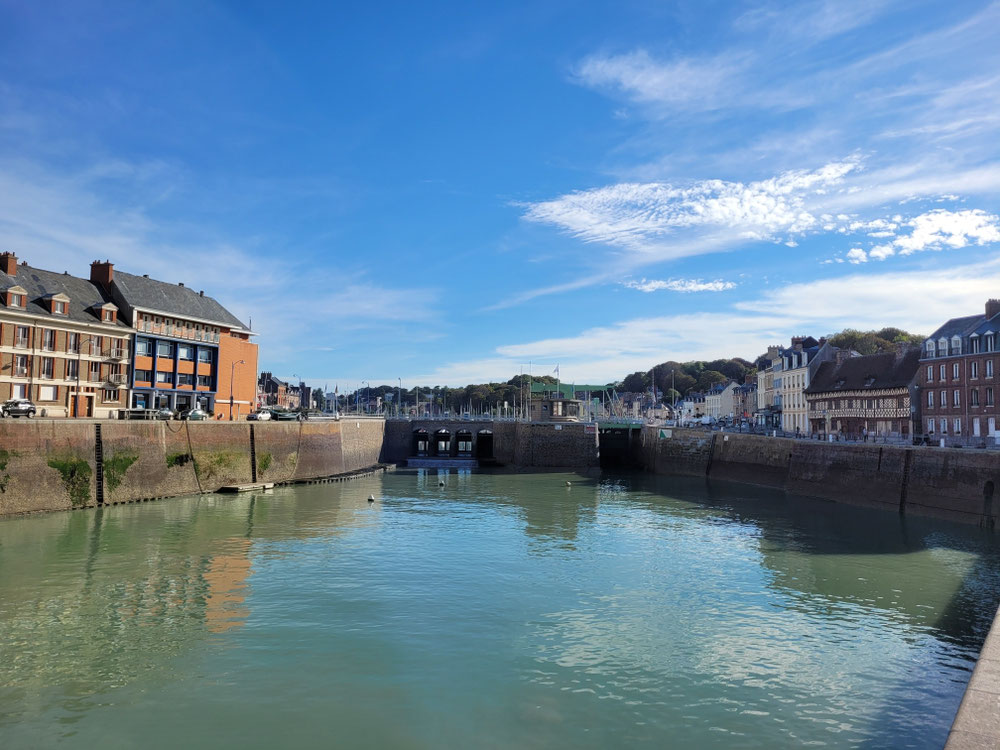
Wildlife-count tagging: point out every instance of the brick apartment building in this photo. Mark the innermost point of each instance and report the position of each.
(853, 394)
(956, 379)
(189, 351)
(62, 344)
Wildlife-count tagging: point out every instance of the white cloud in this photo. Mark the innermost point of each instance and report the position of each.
(857, 255)
(686, 82)
(680, 285)
(956, 229)
(637, 216)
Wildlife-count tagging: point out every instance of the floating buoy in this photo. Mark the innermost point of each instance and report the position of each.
(441, 483)
(569, 484)
(371, 498)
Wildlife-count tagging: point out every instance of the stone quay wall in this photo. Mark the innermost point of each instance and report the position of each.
(958, 484)
(52, 465)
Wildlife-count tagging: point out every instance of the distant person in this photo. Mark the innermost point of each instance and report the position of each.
(864, 434)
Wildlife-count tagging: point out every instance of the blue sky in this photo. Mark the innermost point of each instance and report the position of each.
(443, 192)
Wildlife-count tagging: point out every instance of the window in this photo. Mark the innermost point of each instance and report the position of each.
(944, 399)
(72, 369)
(117, 348)
(143, 347)
(989, 397)
(942, 372)
(974, 344)
(48, 340)
(974, 397)
(185, 378)
(59, 308)
(73, 343)
(185, 351)
(110, 395)
(973, 369)
(47, 393)
(164, 349)
(930, 348)
(205, 355)
(20, 366)
(954, 370)
(47, 367)
(943, 423)
(990, 342)
(956, 345)
(957, 425)
(95, 371)
(204, 381)
(989, 368)
(930, 373)
(145, 376)
(109, 316)
(17, 300)
(19, 390)
(21, 337)
(956, 398)
(930, 426)
(164, 377)
(95, 346)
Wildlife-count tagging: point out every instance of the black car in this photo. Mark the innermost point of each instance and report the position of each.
(18, 407)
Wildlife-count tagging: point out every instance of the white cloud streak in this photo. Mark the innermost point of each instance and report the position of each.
(680, 285)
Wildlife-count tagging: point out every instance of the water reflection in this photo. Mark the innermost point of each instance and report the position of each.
(622, 610)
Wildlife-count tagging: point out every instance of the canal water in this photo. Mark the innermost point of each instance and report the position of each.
(496, 611)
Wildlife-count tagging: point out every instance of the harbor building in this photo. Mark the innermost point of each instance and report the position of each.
(189, 351)
(62, 343)
(869, 395)
(957, 380)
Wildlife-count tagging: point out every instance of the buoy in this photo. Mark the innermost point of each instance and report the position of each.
(569, 484)
(441, 483)
(371, 498)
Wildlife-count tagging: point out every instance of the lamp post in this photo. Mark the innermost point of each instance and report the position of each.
(399, 399)
(232, 373)
(368, 396)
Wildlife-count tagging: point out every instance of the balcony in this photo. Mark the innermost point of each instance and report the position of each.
(20, 372)
(114, 354)
(115, 380)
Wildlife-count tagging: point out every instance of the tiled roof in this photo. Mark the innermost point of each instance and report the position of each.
(40, 284)
(875, 371)
(958, 326)
(172, 299)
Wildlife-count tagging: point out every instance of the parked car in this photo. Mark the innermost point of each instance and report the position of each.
(18, 407)
(194, 415)
(166, 412)
(285, 416)
(260, 416)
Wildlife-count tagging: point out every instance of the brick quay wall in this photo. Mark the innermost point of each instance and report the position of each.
(52, 465)
(957, 484)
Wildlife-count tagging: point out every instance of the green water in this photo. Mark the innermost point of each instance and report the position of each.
(498, 611)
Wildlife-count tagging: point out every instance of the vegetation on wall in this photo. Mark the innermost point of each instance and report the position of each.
(177, 459)
(115, 468)
(5, 457)
(76, 478)
(263, 462)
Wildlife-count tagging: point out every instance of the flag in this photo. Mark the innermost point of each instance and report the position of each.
(556, 371)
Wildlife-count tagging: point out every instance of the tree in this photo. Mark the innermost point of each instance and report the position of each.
(637, 382)
(708, 378)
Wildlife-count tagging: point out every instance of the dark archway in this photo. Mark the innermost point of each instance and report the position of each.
(442, 443)
(484, 444)
(421, 443)
(464, 440)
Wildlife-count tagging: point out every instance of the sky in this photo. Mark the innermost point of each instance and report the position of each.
(453, 193)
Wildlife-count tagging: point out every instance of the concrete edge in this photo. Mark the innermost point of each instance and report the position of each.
(977, 722)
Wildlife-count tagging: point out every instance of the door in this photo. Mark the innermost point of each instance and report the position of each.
(992, 424)
(975, 427)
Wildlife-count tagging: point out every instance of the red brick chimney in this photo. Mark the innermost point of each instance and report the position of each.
(992, 308)
(8, 263)
(102, 274)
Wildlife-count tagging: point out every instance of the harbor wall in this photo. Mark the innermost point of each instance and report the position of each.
(52, 465)
(953, 483)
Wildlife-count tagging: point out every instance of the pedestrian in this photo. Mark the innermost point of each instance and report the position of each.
(864, 433)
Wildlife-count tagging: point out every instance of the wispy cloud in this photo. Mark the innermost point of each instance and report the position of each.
(680, 285)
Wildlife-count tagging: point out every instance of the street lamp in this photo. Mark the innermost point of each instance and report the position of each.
(232, 373)
(368, 396)
(399, 398)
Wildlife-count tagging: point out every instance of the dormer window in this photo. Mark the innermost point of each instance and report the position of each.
(974, 343)
(942, 347)
(930, 348)
(869, 381)
(109, 316)
(956, 345)
(17, 297)
(59, 304)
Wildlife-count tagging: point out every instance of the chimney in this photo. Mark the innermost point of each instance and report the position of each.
(8, 263)
(180, 283)
(992, 308)
(102, 274)
(842, 354)
(201, 293)
(822, 342)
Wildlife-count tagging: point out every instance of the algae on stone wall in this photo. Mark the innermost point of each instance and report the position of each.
(115, 468)
(211, 464)
(76, 478)
(5, 457)
(177, 459)
(263, 462)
